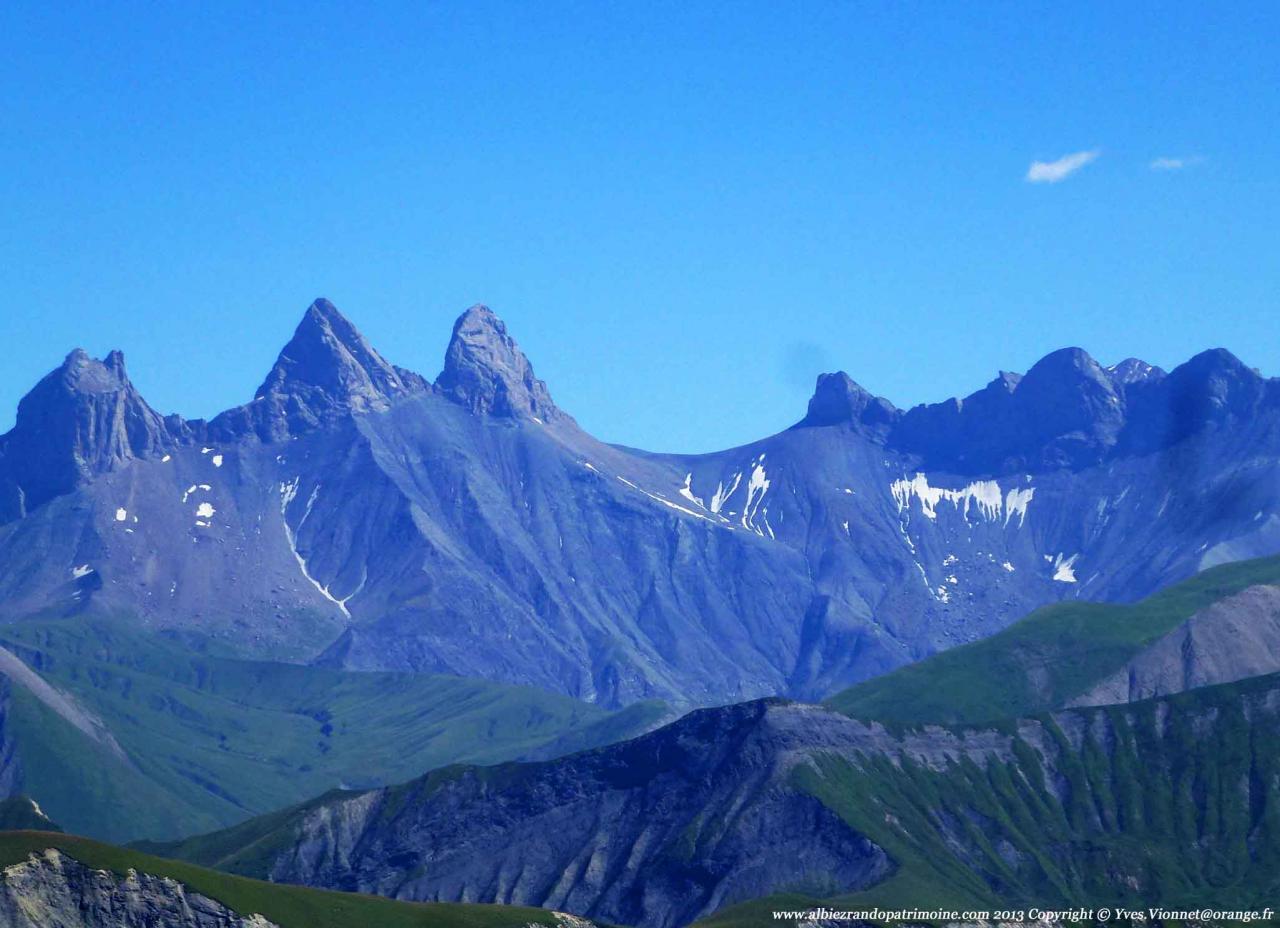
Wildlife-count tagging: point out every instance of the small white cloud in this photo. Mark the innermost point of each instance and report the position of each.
(1050, 172)
(1174, 164)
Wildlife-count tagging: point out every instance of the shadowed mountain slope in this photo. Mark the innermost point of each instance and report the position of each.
(1165, 802)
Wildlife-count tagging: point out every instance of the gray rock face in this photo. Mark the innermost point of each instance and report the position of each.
(356, 515)
(1236, 638)
(327, 370)
(82, 420)
(485, 370)
(51, 890)
(837, 400)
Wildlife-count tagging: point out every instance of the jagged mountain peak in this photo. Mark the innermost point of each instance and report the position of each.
(83, 418)
(80, 372)
(329, 353)
(485, 370)
(838, 399)
(327, 369)
(74, 383)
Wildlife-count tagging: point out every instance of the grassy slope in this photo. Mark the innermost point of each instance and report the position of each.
(287, 906)
(1145, 819)
(1042, 661)
(214, 740)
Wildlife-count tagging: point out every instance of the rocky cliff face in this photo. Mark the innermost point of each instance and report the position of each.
(1171, 801)
(328, 371)
(51, 889)
(82, 420)
(485, 370)
(357, 515)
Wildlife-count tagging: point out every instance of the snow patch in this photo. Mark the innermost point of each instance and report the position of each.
(982, 496)
(122, 514)
(205, 511)
(722, 494)
(757, 487)
(1015, 504)
(289, 492)
(217, 460)
(1064, 568)
(687, 492)
(664, 501)
(82, 571)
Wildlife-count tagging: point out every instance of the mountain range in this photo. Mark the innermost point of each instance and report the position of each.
(355, 515)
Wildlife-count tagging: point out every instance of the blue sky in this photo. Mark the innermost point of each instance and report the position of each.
(683, 211)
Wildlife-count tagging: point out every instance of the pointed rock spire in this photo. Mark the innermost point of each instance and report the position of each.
(838, 400)
(328, 355)
(327, 369)
(82, 419)
(485, 370)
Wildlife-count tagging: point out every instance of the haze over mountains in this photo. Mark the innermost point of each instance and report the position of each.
(356, 515)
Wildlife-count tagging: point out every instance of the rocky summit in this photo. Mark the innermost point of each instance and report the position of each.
(358, 515)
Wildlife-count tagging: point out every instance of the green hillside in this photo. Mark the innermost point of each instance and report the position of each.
(1044, 660)
(210, 741)
(1172, 802)
(287, 906)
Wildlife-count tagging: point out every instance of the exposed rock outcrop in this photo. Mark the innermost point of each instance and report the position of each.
(84, 419)
(485, 370)
(328, 370)
(52, 890)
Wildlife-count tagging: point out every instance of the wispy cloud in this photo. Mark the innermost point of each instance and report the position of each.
(1051, 172)
(1174, 164)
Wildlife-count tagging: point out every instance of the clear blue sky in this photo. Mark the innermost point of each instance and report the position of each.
(683, 211)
